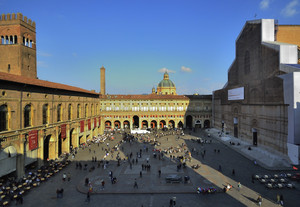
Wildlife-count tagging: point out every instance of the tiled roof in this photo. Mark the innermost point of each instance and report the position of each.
(41, 83)
(144, 97)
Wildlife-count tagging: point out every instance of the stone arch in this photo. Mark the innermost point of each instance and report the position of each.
(198, 124)
(189, 121)
(171, 124)
(206, 123)
(126, 124)
(107, 124)
(136, 122)
(49, 147)
(153, 124)
(162, 124)
(117, 124)
(180, 125)
(144, 124)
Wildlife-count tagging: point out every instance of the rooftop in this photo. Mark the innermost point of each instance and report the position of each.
(41, 83)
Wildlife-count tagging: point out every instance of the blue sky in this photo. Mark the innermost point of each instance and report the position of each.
(137, 40)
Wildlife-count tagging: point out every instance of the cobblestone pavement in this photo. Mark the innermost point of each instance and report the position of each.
(152, 189)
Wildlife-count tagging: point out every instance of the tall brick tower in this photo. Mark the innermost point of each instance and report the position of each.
(102, 80)
(17, 45)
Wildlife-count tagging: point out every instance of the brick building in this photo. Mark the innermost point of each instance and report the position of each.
(259, 102)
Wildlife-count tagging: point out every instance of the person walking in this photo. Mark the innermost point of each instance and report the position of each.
(102, 185)
(174, 201)
(88, 197)
(239, 185)
(171, 202)
(69, 176)
(135, 184)
(281, 200)
(259, 200)
(278, 198)
(64, 177)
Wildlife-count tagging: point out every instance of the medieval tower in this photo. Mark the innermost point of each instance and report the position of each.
(102, 80)
(18, 43)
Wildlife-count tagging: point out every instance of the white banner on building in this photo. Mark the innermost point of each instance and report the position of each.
(236, 94)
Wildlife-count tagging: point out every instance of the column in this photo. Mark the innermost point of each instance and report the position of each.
(40, 155)
(20, 168)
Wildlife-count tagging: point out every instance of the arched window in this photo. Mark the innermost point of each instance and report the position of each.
(27, 116)
(86, 110)
(70, 112)
(59, 115)
(92, 109)
(3, 118)
(247, 62)
(45, 114)
(78, 111)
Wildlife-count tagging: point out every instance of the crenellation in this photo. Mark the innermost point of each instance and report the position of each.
(18, 16)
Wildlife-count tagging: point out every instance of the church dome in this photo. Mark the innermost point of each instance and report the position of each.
(166, 86)
(166, 83)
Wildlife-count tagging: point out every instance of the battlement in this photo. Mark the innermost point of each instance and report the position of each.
(14, 17)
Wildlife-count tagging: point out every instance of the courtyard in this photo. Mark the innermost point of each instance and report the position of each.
(153, 190)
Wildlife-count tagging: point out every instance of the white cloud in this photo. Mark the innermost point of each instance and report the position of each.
(163, 70)
(185, 69)
(264, 4)
(290, 9)
(41, 64)
(44, 54)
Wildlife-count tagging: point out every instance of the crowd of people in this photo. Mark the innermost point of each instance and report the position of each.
(13, 190)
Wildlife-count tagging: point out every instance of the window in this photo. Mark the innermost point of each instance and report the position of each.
(8, 68)
(45, 114)
(86, 110)
(27, 116)
(70, 112)
(59, 112)
(92, 110)
(78, 111)
(3, 118)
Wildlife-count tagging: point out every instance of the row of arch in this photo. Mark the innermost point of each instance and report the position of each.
(144, 124)
(156, 124)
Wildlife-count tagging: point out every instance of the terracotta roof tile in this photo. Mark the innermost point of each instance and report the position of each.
(41, 83)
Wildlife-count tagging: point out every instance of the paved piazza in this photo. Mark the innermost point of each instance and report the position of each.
(152, 190)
